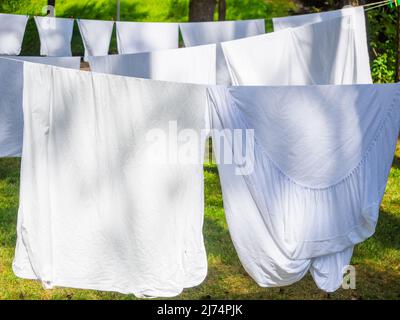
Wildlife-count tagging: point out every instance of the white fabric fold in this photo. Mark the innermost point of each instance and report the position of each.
(63, 62)
(94, 212)
(135, 37)
(96, 36)
(55, 36)
(12, 30)
(359, 26)
(187, 65)
(321, 53)
(321, 159)
(11, 88)
(201, 33)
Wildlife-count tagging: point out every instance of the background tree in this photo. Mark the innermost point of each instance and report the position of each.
(203, 10)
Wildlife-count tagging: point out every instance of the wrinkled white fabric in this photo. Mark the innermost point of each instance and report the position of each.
(359, 34)
(200, 33)
(187, 65)
(321, 159)
(11, 84)
(55, 36)
(12, 30)
(320, 53)
(94, 212)
(135, 37)
(96, 36)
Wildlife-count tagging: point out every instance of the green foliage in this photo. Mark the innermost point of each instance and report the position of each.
(381, 71)
(382, 39)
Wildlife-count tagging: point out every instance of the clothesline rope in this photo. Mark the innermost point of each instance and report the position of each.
(376, 7)
(376, 3)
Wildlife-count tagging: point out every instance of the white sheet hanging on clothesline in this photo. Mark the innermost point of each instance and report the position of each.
(55, 36)
(304, 209)
(187, 65)
(304, 19)
(96, 36)
(11, 90)
(12, 30)
(359, 27)
(200, 33)
(320, 53)
(104, 204)
(135, 37)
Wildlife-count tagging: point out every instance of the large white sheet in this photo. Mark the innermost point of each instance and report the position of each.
(200, 33)
(12, 30)
(94, 212)
(55, 36)
(135, 37)
(321, 160)
(11, 88)
(358, 24)
(96, 36)
(187, 65)
(321, 53)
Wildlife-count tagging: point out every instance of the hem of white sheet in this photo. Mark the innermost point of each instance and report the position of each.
(378, 134)
(139, 293)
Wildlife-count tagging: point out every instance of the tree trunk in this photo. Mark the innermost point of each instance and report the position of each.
(202, 10)
(398, 46)
(221, 10)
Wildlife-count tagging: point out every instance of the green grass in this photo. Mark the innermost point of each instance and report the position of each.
(377, 260)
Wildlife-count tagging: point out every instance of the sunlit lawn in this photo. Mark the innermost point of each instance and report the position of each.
(377, 260)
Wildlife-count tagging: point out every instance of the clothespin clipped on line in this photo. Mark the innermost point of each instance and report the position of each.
(396, 2)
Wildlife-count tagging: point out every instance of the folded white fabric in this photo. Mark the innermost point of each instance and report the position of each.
(187, 65)
(320, 53)
(96, 36)
(11, 88)
(55, 36)
(358, 24)
(200, 33)
(134, 37)
(12, 30)
(319, 161)
(94, 212)
(63, 62)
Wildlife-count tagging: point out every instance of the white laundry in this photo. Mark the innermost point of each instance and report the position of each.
(319, 53)
(187, 65)
(200, 33)
(303, 19)
(55, 36)
(11, 88)
(135, 37)
(96, 36)
(12, 30)
(359, 26)
(94, 212)
(63, 62)
(321, 159)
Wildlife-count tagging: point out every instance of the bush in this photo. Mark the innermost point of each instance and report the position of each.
(382, 40)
